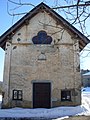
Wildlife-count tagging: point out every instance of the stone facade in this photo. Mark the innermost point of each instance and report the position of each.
(56, 63)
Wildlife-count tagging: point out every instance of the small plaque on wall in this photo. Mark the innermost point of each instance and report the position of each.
(42, 56)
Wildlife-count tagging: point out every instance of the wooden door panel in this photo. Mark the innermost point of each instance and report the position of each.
(41, 95)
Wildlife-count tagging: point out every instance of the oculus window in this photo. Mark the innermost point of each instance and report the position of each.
(42, 38)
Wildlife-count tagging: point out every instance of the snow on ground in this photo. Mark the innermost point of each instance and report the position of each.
(57, 113)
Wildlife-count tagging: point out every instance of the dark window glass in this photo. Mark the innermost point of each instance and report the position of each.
(42, 38)
(65, 95)
(17, 94)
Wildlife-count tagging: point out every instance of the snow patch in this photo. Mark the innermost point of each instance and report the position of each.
(57, 113)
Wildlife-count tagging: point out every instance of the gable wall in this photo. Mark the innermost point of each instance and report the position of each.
(36, 24)
(59, 67)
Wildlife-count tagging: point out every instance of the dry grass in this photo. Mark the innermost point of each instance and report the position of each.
(78, 118)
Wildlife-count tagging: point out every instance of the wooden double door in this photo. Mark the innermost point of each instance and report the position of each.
(41, 95)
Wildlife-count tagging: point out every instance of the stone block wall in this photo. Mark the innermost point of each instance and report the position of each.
(56, 63)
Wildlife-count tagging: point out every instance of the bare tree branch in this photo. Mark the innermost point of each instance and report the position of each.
(12, 14)
(71, 6)
(20, 3)
(77, 12)
(77, 7)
